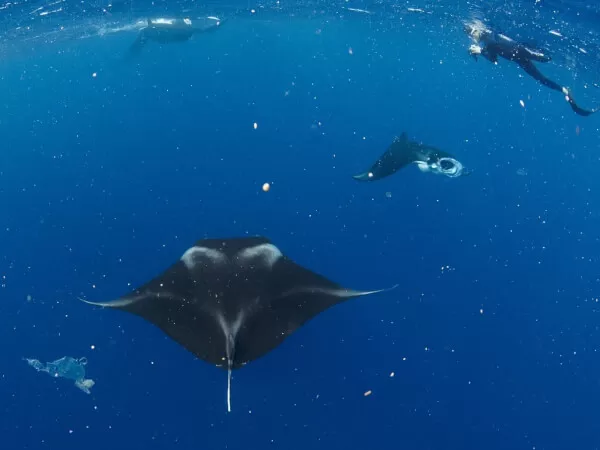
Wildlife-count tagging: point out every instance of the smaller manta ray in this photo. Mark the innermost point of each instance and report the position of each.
(231, 301)
(165, 31)
(403, 152)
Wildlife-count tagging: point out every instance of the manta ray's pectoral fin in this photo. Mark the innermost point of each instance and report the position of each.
(295, 296)
(403, 138)
(399, 154)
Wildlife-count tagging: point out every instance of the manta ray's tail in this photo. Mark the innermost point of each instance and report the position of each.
(230, 351)
(229, 388)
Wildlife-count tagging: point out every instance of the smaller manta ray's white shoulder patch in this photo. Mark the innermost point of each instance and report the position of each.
(267, 254)
(193, 255)
(423, 166)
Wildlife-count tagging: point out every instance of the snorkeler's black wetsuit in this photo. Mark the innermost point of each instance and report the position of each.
(496, 45)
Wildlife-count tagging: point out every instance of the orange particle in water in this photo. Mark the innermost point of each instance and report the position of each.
(266, 187)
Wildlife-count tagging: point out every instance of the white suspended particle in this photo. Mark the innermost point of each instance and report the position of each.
(255, 125)
(358, 10)
(522, 103)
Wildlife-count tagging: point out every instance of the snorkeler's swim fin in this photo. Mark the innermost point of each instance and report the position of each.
(575, 107)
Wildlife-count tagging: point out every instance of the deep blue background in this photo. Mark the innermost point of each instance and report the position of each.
(106, 180)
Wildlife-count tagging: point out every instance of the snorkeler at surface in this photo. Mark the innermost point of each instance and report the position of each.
(166, 31)
(491, 45)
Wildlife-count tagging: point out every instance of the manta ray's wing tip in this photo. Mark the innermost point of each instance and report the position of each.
(102, 304)
(365, 176)
(353, 293)
(377, 291)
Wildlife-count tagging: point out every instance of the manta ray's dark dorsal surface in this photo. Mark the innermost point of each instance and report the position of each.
(231, 301)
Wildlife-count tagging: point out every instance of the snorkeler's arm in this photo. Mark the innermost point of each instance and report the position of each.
(137, 45)
(488, 53)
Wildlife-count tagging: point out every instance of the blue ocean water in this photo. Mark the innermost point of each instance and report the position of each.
(110, 169)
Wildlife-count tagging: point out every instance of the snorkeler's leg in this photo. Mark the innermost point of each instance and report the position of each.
(530, 68)
(489, 54)
(533, 71)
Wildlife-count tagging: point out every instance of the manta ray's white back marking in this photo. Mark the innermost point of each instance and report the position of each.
(193, 255)
(268, 254)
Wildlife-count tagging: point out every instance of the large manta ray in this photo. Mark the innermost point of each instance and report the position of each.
(231, 301)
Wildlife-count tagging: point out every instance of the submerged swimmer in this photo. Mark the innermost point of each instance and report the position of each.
(491, 45)
(403, 152)
(165, 31)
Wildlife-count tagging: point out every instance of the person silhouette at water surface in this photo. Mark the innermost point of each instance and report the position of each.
(168, 30)
(491, 45)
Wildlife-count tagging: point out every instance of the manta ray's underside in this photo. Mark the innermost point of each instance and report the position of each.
(231, 301)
